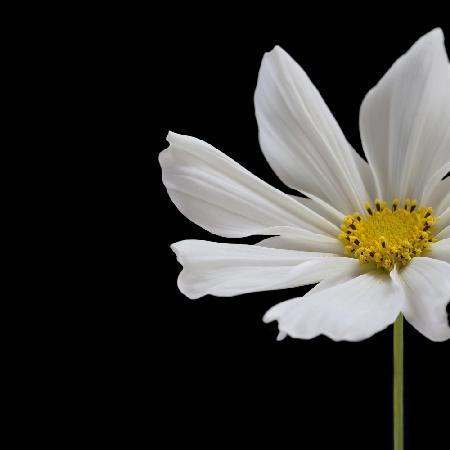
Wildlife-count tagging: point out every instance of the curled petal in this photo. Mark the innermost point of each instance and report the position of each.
(215, 192)
(351, 310)
(427, 290)
(226, 270)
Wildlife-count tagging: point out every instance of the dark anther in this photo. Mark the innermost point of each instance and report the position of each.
(372, 254)
(378, 207)
(356, 242)
(359, 218)
(383, 244)
(413, 207)
(369, 211)
(426, 227)
(428, 214)
(352, 227)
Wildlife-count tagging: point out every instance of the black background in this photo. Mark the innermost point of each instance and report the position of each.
(219, 366)
(102, 347)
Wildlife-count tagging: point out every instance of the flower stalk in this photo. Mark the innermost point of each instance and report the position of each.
(398, 384)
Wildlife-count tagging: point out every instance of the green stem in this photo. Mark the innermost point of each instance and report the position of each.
(398, 383)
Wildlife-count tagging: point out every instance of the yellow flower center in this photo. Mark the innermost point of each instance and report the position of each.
(388, 236)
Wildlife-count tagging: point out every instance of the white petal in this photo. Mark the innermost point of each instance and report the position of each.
(281, 335)
(439, 197)
(404, 120)
(367, 176)
(441, 250)
(226, 270)
(328, 283)
(443, 221)
(352, 310)
(322, 208)
(444, 233)
(427, 287)
(356, 271)
(301, 139)
(305, 242)
(218, 194)
(433, 183)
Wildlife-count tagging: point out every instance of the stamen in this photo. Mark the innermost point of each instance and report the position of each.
(395, 204)
(378, 204)
(367, 206)
(388, 236)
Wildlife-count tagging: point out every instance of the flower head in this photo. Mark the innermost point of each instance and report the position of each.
(387, 237)
(374, 235)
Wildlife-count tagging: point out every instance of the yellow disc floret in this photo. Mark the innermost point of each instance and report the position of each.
(388, 236)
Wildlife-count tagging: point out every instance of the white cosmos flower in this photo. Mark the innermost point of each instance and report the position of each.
(372, 259)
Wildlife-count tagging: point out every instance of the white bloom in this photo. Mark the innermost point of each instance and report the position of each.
(372, 259)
